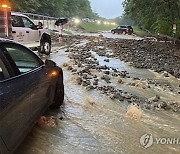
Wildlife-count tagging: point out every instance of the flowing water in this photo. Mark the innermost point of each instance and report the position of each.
(90, 122)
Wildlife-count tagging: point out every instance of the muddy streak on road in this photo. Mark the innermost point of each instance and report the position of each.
(91, 122)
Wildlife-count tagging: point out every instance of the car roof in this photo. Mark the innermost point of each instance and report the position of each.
(18, 14)
(125, 25)
(4, 40)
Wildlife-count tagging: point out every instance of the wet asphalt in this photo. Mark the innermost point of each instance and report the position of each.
(91, 123)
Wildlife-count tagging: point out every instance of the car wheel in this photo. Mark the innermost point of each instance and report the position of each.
(59, 94)
(45, 47)
(113, 32)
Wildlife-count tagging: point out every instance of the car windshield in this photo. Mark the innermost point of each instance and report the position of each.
(22, 57)
(121, 75)
(123, 27)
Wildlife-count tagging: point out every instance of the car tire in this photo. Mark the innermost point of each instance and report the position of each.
(113, 32)
(45, 47)
(59, 94)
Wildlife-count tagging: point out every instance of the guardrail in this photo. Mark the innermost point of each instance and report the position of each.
(48, 22)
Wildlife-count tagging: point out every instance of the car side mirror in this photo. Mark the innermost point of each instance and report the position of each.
(34, 27)
(50, 63)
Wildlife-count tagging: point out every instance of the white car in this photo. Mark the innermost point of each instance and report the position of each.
(29, 34)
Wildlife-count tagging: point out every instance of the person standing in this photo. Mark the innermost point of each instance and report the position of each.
(60, 28)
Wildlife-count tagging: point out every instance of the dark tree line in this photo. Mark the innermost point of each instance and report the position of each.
(56, 8)
(155, 15)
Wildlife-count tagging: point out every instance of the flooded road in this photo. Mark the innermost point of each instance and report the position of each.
(93, 121)
(109, 35)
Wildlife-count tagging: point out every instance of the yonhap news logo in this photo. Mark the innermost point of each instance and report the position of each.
(147, 140)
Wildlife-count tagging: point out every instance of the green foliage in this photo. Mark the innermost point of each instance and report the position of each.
(124, 20)
(24, 5)
(154, 15)
(56, 8)
(139, 31)
(94, 27)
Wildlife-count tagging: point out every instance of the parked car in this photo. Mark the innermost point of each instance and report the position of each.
(21, 28)
(28, 86)
(126, 29)
(29, 34)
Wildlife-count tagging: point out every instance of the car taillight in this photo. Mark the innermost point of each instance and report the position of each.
(53, 73)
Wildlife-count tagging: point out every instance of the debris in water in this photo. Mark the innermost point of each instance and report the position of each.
(134, 112)
(154, 99)
(47, 121)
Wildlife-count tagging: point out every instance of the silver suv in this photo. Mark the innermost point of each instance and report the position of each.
(29, 34)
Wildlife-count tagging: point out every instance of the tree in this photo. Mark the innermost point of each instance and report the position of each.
(56, 8)
(155, 15)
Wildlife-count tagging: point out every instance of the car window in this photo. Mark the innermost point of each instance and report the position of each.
(3, 71)
(23, 57)
(27, 22)
(1, 74)
(123, 26)
(17, 21)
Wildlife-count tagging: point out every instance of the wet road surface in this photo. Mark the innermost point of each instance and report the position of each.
(109, 35)
(90, 122)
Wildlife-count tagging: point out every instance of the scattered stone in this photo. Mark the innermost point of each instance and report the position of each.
(61, 118)
(120, 81)
(142, 54)
(111, 96)
(90, 87)
(132, 84)
(126, 95)
(166, 74)
(47, 121)
(118, 96)
(79, 80)
(106, 78)
(154, 99)
(106, 60)
(106, 72)
(136, 78)
(65, 65)
(74, 70)
(162, 105)
(95, 83)
(86, 83)
(70, 68)
(79, 65)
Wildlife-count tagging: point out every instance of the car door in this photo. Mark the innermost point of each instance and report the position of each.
(18, 31)
(24, 94)
(33, 35)
(118, 29)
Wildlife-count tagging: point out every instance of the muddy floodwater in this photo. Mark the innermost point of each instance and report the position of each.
(106, 113)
